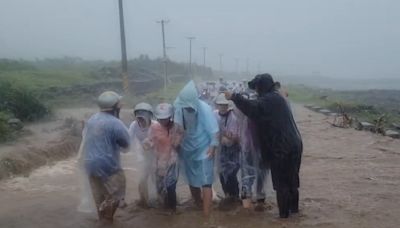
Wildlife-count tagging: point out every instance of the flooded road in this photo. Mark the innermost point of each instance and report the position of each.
(348, 179)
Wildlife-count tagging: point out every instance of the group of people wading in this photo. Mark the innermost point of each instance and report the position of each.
(239, 136)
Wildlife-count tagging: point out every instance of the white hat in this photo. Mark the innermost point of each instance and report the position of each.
(107, 100)
(164, 111)
(221, 100)
(143, 107)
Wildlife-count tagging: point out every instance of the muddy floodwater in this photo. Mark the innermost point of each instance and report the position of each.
(349, 178)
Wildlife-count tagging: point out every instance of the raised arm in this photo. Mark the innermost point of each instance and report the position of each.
(251, 108)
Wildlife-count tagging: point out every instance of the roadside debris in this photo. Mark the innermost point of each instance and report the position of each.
(392, 134)
(15, 124)
(342, 119)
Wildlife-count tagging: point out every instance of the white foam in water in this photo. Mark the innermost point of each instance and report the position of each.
(41, 179)
(63, 167)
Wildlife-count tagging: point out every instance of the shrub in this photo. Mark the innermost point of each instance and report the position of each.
(21, 102)
(5, 130)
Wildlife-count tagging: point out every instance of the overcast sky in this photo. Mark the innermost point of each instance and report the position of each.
(338, 38)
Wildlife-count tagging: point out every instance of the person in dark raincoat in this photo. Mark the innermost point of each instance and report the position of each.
(281, 143)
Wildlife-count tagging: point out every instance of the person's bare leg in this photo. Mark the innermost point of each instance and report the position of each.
(196, 195)
(207, 200)
(143, 192)
(97, 193)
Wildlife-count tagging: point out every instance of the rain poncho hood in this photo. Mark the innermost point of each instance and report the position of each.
(188, 97)
(197, 141)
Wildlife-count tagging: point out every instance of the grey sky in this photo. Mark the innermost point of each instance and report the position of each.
(338, 38)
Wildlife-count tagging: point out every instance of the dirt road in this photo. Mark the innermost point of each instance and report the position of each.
(348, 179)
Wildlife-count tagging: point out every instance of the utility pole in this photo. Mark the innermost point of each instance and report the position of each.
(169, 48)
(220, 63)
(247, 67)
(237, 65)
(190, 55)
(123, 49)
(204, 56)
(165, 60)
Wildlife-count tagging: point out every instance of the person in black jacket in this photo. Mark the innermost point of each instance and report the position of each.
(281, 143)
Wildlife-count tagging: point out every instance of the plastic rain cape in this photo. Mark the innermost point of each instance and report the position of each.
(146, 166)
(145, 162)
(253, 177)
(166, 170)
(197, 141)
(228, 152)
(278, 133)
(99, 155)
(86, 204)
(198, 138)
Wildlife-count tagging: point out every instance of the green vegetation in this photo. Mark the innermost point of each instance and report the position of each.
(21, 102)
(40, 75)
(30, 89)
(5, 131)
(67, 72)
(14, 65)
(37, 80)
(18, 102)
(174, 68)
(364, 105)
(157, 97)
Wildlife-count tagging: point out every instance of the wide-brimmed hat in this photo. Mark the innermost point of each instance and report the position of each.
(221, 100)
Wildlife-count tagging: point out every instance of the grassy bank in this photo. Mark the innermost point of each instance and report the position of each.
(37, 80)
(29, 90)
(167, 95)
(366, 105)
(19, 102)
(156, 97)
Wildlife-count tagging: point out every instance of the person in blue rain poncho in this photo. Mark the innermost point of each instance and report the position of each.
(104, 136)
(200, 139)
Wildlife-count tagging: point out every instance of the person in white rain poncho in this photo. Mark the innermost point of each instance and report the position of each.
(254, 173)
(164, 137)
(139, 131)
(228, 150)
(104, 136)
